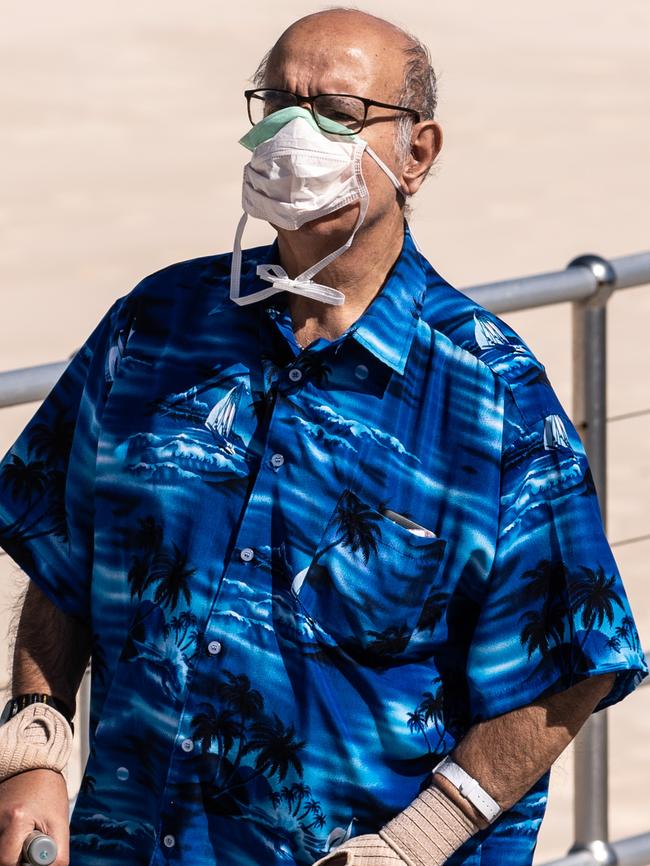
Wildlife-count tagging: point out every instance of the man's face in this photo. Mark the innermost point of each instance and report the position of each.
(342, 53)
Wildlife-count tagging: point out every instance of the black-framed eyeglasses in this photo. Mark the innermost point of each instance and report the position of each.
(347, 110)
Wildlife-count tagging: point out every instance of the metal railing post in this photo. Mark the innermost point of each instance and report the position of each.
(591, 825)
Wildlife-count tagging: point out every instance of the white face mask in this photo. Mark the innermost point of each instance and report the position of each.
(296, 174)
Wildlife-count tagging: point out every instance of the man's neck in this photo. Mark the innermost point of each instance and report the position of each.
(359, 273)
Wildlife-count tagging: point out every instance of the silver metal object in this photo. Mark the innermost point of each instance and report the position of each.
(39, 849)
(29, 383)
(590, 816)
(83, 719)
(604, 274)
(633, 851)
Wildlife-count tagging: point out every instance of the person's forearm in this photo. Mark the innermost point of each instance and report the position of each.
(509, 753)
(506, 755)
(51, 650)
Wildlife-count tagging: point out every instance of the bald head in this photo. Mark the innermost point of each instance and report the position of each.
(380, 56)
(343, 17)
(359, 34)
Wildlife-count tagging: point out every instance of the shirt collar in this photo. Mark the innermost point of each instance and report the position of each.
(386, 328)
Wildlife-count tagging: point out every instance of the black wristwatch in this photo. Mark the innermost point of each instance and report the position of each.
(15, 705)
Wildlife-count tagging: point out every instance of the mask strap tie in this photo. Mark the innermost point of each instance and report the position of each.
(281, 282)
(303, 283)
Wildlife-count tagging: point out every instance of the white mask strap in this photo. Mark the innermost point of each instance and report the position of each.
(235, 271)
(319, 266)
(235, 267)
(382, 165)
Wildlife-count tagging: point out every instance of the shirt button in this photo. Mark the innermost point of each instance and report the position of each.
(214, 647)
(361, 371)
(247, 554)
(187, 745)
(295, 374)
(169, 841)
(277, 460)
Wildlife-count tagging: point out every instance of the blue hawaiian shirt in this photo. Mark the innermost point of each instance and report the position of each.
(307, 573)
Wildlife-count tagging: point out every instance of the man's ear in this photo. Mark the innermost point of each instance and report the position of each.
(426, 144)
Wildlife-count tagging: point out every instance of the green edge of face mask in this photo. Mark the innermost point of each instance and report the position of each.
(269, 126)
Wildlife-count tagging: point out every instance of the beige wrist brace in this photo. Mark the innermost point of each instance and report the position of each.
(36, 737)
(426, 833)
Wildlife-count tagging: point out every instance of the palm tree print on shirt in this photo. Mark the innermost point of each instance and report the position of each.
(38, 482)
(245, 703)
(432, 610)
(166, 649)
(595, 598)
(52, 442)
(185, 629)
(389, 642)
(246, 743)
(544, 626)
(394, 639)
(428, 715)
(354, 525)
(564, 598)
(154, 563)
(358, 526)
(626, 633)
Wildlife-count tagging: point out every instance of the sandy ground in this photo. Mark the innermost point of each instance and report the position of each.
(118, 155)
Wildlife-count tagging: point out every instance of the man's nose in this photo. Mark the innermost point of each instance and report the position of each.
(304, 102)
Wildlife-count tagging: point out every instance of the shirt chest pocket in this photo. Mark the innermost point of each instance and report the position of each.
(367, 586)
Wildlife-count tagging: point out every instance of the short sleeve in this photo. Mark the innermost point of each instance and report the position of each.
(555, 611)
(47, 478)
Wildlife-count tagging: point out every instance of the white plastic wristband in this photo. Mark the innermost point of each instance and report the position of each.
(469, 788)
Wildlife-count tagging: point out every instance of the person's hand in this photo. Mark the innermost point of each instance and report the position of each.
(368, 850)
(35, 799)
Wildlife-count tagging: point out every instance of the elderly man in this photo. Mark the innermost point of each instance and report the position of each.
(320, 522)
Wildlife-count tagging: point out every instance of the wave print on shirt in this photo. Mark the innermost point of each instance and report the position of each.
(168, 458)
(270, 610)
(544, 484)
(320, 435)
(334, 423)
(99, 832)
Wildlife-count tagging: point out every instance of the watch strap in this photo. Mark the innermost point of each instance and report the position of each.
(19, 702)
(469, 788)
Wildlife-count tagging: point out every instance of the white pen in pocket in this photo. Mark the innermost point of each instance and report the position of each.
(407, 523)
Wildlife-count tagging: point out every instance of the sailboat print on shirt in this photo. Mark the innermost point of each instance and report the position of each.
(555, 435)
(504, 353)
(489, 336)
(222, 416)
(115, 352)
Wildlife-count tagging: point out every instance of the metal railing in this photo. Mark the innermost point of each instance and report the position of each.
(588, 283)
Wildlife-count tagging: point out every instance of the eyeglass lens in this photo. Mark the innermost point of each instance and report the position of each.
(349, 111)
